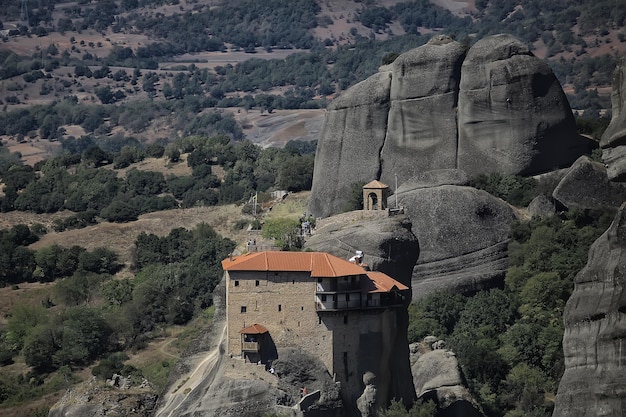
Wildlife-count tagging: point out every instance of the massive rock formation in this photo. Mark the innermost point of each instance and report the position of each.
(514, 117)
(595, 324)
(353, 134)
(595, 331)
(613, 141)
(421, 132)
(498, 109)
(463, 235)
(388, 243)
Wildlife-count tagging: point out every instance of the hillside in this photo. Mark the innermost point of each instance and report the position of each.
(113, 53)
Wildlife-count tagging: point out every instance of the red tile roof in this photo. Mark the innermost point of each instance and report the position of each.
(254, 329)
(319, 264)
(384, 283)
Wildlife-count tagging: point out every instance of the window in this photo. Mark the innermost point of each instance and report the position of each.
(280, 307)
(347, 297)
(302, 308)
(319, 280)
(244, 309)
(323, 298)
(256, 283)
(236, 283)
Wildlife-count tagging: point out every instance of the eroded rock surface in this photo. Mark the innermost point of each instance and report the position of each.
(421, 132)
(514, 117)
(497, 109)
(587, 186)
(349, 146)
(463, 235)
(613, 141)
(595, 331)
(437, 376)
(388, 243)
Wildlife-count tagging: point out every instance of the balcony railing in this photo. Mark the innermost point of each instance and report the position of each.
(250, 346)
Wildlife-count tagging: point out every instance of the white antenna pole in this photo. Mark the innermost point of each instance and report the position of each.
(396, 190)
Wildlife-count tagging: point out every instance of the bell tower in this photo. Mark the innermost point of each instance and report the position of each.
(375, 195)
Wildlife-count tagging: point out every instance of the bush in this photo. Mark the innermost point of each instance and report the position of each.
(119, 212)
(518, 191)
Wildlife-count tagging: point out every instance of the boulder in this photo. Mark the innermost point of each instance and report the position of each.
(595, 331)
(613, 142)
(421, 132)
(541, 207)
(587, 186)
(437, 376)
(513, 115)
(349, 146)
(366, 403)
(463, 235)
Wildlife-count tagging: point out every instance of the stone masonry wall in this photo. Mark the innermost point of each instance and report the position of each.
(294, 324)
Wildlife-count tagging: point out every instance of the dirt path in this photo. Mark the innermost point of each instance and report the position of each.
(204, 373)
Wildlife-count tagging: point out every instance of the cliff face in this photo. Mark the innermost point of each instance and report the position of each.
(595, 331)
(513, 115)
(595, 321)
(613, 141)
(496, 109)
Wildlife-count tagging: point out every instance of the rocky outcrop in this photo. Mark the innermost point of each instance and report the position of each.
(367, 403)
(463, 235)
(114, 398)
(388, 243)
(613, 142)
(595, 331)
(587, 186)
(496, 109)
(514, 117)
(437, 376)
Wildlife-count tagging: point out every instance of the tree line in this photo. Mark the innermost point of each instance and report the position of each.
(80, 182)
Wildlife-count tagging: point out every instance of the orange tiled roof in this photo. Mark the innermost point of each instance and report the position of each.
(384, 283)
(319, 264)
(254, 329)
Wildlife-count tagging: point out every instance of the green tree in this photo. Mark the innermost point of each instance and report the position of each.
(78, 289)
(119, 211)
(419, 409)
(24, 318)
(284, 231)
